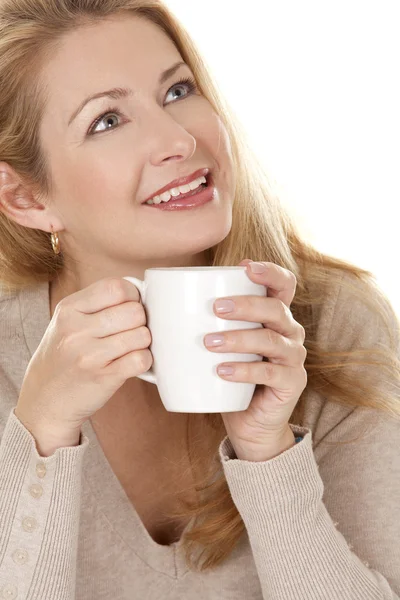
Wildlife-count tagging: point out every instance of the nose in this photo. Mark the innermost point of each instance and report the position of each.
(168, 139)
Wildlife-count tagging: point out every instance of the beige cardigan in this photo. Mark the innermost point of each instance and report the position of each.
(322, 521)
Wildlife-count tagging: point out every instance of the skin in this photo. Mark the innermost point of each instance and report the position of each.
(99, 182)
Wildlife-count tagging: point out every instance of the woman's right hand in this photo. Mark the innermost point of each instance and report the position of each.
(96, 340)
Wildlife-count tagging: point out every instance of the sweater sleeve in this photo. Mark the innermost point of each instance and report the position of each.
(39, 516)
(330, 530)
(297, 548)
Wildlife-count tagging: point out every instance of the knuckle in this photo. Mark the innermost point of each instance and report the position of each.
(293, 277)
(121, 344)
(280, 308)
(286, 312)
(62, 311)
(144, 360)
(139, 315)
(268, 370)
(304, 376)
(302, 331)
(271, 336)
(303, 353)
(145, 336)
(115, 288)
(106, 318)
(140, 360)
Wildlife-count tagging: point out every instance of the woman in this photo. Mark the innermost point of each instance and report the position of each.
(103, 492)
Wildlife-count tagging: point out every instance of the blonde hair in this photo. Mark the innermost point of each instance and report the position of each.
(262, 230)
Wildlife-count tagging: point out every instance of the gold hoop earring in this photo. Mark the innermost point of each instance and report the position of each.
(55, 242)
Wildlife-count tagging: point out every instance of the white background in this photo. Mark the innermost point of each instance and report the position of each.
(316, 86)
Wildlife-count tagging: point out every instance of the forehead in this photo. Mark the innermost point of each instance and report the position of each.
(120, 51)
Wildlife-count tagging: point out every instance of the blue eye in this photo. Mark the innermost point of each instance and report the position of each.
(114, 111)
(110, 111)
(189, 82)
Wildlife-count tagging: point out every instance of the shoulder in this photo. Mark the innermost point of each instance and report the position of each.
(357, 313)
(13, 352)
(7, 293)
(359, 329)
(9, 312)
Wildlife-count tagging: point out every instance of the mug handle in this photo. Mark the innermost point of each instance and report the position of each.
(141, 286)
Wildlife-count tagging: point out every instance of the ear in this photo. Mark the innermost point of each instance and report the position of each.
(19, 203)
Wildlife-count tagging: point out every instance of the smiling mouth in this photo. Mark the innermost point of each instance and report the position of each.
(203, 194)
(202, 186)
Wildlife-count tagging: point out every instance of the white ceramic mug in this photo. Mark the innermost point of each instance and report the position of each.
(178, 303)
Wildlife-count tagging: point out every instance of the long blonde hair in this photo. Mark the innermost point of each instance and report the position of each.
(262, 229)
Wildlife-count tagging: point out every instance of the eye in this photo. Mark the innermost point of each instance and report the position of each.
(188, 82)
(111, 112)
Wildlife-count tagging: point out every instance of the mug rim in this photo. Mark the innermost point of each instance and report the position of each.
(205, 268)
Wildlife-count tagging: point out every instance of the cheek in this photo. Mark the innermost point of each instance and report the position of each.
(212, 137)
(213, 134)
(224, 148)
(221, 150)
(94, 183)
(207, 127)
(216, 139)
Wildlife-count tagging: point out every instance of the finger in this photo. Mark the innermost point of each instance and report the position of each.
(265, 342)
(279, 377)
(271, 312)
(281, 282)
(102, 294)
(115, 319)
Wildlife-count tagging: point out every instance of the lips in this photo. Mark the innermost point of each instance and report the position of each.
(180, 181)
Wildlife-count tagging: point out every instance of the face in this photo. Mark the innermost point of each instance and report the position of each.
(118, 152)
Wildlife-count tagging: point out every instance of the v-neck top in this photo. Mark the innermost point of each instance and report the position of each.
(114, 505)
(101, 486)
(69, 531)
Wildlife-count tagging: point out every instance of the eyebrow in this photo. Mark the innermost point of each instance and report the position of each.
(118, 92)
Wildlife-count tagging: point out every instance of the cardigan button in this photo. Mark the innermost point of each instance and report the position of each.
(29, 524)
(9, 592)
(36, 490)
(41, 470)
(20, 556)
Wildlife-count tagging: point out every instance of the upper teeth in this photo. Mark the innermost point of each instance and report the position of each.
(181, 189)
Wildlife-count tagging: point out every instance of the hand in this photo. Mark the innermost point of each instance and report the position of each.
(262, 430)
(96, 340)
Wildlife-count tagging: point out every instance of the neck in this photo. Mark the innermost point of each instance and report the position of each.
(68, 281)
(136, 417)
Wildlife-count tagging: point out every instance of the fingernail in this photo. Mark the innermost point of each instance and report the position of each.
(214, 339)
(225, 370)
(224, 306)
(257, 267)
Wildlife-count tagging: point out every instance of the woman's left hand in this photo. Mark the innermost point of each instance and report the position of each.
(262, 430)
